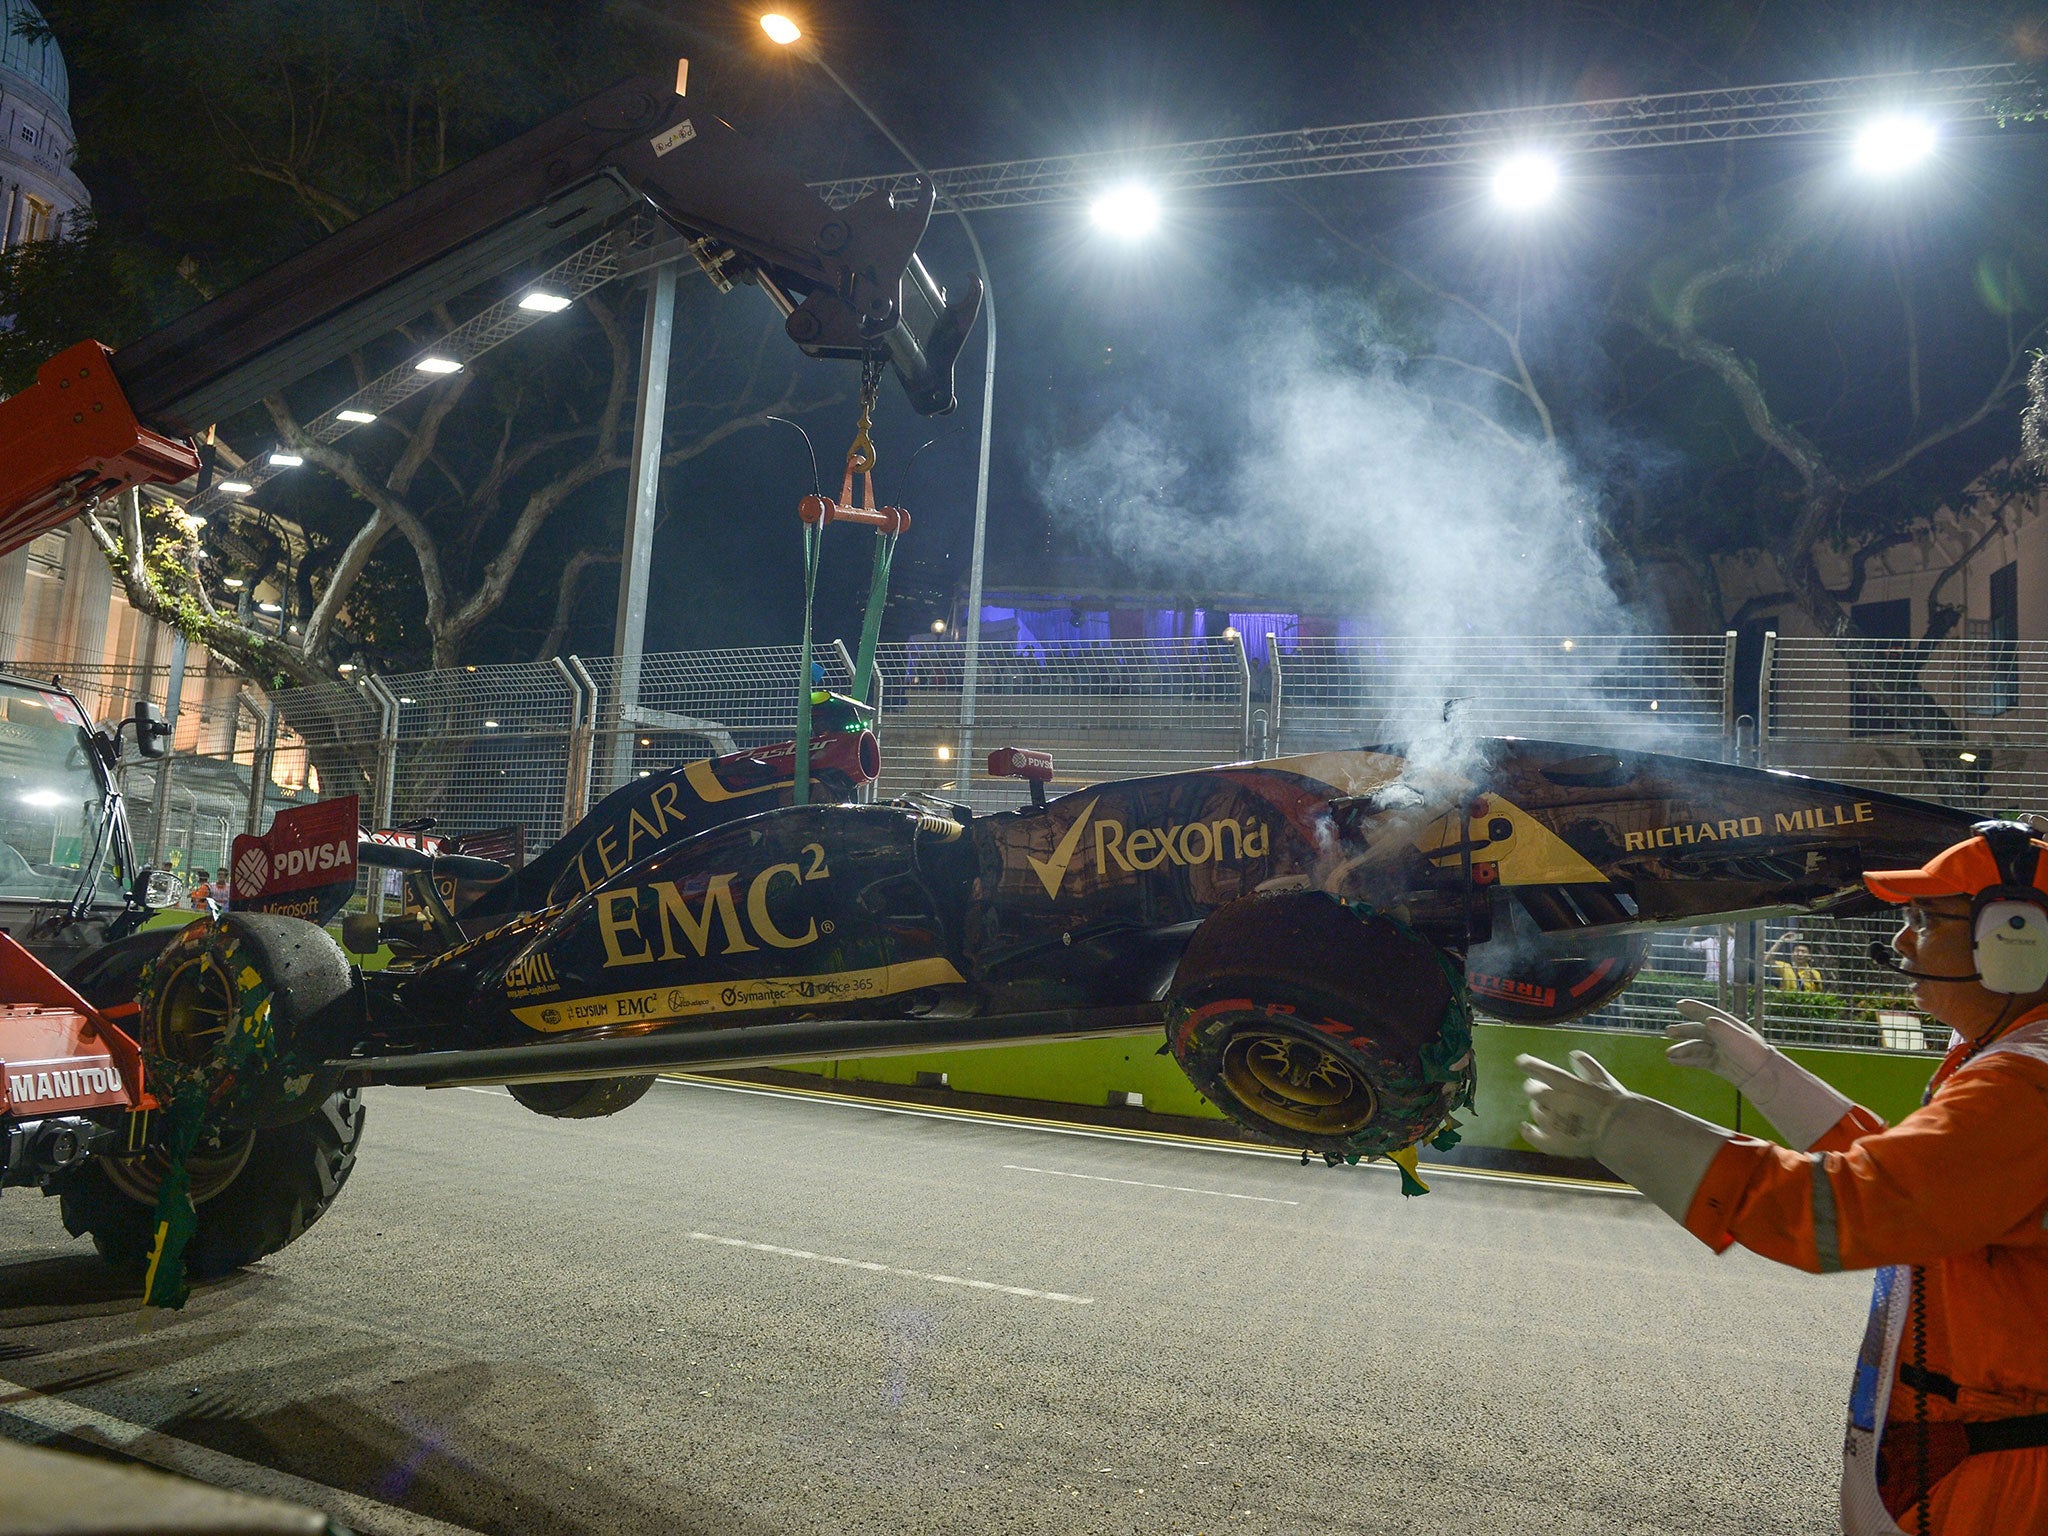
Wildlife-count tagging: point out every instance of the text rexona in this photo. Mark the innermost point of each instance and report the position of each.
(1199, 842)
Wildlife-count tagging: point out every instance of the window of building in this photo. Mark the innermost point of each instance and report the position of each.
(1883, 687)
(38, 219)
(1994, 682)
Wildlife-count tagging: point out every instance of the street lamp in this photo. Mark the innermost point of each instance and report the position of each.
(1893, 144)
(782, 30)
(1129, 212)
(1526, 179)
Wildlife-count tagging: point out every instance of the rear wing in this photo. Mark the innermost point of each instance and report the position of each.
(847, 281)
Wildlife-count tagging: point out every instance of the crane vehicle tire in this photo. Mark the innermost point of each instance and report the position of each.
(252, 1194)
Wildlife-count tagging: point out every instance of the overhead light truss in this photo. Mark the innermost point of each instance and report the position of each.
(1975, 93)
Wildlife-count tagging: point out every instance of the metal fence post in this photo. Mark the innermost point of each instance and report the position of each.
(1279, 693)
(629, 630)
(260, 759)
(582, 764)
(1244, 678)
(1763, 698)
(174, 694)
(1731, 747)
(384, 790)
(582, 727)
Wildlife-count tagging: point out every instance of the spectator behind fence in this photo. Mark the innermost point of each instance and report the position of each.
(200, 888)
(1799, 974)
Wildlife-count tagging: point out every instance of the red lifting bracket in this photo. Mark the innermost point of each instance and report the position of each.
(71, 439)
(823, 509)
(1023, 763)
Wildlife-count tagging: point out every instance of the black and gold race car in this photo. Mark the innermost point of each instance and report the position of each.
(1305, 931)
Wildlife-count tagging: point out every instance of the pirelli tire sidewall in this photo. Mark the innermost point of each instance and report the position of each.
(286, 1180)
(289, 998)
(1298, 967)
(586, 1098)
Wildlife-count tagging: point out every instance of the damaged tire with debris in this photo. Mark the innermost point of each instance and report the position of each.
(251, 1195)
(1321, 1026)
(235, 1019)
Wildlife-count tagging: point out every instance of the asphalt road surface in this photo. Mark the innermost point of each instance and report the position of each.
(741, 1312)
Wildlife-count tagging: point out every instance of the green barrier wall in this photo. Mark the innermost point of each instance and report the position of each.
(1088, 1071)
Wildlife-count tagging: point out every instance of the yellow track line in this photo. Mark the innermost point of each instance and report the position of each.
(1124, 1133)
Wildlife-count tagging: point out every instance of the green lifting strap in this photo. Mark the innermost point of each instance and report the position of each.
(814, 538)
(871, 622)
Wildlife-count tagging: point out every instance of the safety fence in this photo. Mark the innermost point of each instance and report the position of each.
(1963, 721)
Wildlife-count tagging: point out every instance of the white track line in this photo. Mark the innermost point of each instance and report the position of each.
(891, 1269)
(1179, 1189)
(59, 1416)
(1148, 1138)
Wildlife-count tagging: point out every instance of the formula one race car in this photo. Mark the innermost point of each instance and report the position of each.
(1303, 929)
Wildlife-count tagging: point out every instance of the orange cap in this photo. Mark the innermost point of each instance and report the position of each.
(1964, 870)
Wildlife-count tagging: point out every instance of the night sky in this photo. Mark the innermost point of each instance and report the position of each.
(1090, 328)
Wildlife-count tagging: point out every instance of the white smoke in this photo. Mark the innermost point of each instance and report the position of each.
(1334, 474)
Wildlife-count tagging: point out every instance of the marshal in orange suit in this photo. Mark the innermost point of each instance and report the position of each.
(1948, 1410)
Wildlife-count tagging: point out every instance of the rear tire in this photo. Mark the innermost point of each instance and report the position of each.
(583, 1099)
(1316, 1028)
(251, 1199)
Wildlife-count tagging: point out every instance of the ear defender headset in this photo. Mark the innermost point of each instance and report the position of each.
(2008, 921)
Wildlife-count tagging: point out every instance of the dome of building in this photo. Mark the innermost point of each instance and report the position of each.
(39, 191)
(36, 60)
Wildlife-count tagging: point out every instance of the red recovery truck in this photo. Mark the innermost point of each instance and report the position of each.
(100, 422)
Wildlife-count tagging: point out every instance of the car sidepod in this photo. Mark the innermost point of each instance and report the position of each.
(805, 912)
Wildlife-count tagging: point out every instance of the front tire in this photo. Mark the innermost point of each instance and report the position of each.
(1318, 1028)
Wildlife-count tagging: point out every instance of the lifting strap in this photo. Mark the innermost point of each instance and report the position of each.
(889, 523)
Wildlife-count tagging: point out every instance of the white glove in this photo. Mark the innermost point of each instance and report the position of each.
(1663, 1151)
(1800, 1105)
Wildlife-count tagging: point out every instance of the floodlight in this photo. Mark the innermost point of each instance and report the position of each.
(1966, 757)
(780, 28)
(404, 700)
(42, 798)
(360, 418)
(938, 626)
(945, 754)
(437, 365)
(270, 608)
(1893, 144)
(233, 583)
(1129, 212)
(282, 460)
(1526, 179)
(235, 487)
(346, 666)
(490, 725)
(544, 303)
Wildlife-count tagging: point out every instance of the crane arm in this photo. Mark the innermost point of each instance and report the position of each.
(847, 281)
